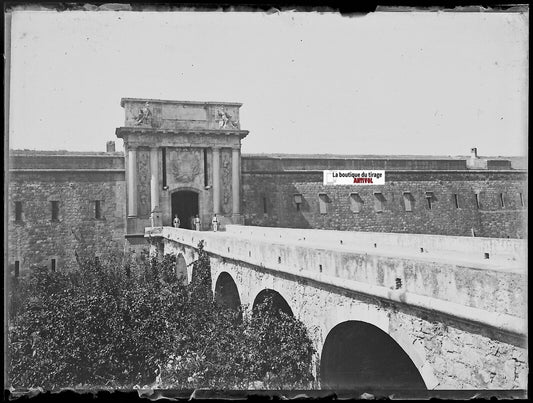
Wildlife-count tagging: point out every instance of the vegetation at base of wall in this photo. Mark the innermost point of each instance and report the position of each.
(121, 322)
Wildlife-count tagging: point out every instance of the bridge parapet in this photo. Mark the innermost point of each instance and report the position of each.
(469, 248)
(477, 291)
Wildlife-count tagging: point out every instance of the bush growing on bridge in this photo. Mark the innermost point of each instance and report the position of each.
(118, 322)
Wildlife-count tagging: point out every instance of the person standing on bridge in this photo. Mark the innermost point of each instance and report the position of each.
(176, 221)
(214, 222)
(197, 223)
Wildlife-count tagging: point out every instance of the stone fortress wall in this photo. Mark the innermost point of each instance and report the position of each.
(462, 200)
(269, 187)
(77, 182)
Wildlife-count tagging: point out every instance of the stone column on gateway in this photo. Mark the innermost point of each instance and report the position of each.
(132, 182)
(216, 180)
(155, 210)
(154, 178)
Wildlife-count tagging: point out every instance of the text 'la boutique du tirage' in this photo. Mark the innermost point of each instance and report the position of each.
(363, 177)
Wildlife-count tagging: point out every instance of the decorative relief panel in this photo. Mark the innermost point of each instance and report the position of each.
(226, 181)
(143, 183)
(186, 167)
(144, 115)
(171, 115)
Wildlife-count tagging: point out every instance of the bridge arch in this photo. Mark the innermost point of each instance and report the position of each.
(279, 303)
(226, 291)
(181, 267)
(359, 355)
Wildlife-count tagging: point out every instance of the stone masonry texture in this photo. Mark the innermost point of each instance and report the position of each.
(36, 238)
(269, 200)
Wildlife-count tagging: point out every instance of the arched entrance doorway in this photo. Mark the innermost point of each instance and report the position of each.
(360, 356)
(185, 205)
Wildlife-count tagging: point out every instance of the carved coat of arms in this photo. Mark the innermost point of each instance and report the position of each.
(186, 167)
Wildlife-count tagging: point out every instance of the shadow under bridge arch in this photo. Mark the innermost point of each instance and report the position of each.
(226, 292)
(271, 301)
(360, 356)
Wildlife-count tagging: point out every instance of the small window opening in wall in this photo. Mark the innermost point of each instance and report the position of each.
(502, 200)
(298, 200)
(379, 202)
(55, 210)
(53, 265)
(320, 268)
(97, 210)
(478, 204)
(408, 201)
(265, 211)
(206, 171)
(323, 203)
(521, 199)
(279, 259)
(18, 211)
(356, 203)
(456, 200)
(17, 268)
(429, 198)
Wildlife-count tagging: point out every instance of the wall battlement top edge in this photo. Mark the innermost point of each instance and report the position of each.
(132, 129)
(278, 156)
(63, 153)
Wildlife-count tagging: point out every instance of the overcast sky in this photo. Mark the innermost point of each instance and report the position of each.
(386, 83)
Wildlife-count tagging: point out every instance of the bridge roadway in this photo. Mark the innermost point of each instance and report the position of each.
(455, 306)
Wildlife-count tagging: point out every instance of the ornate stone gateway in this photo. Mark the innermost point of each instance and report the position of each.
(181, 153)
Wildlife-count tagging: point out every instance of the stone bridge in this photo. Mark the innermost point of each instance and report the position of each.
(384, 310)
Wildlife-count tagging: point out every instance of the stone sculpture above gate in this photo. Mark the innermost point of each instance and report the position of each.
(176, 115)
